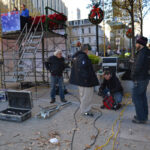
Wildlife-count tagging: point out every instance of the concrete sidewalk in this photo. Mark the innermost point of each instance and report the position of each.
(34, 133)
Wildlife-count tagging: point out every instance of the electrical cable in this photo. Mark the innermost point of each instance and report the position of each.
(114, 124)
(94, 125)
(76, 126)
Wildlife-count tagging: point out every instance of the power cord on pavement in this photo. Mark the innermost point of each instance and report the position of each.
(76, 126)
(94, 125)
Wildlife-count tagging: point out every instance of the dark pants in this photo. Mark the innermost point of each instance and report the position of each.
(54, 81)
(140, 100)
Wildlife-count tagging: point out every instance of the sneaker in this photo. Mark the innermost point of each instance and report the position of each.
(63, 100)
(90, 114)
(102, 107)
(52, 101)
(139, 121)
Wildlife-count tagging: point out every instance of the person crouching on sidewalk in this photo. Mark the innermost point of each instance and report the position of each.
(111, 86)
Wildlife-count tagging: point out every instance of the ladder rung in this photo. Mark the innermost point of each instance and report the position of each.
(36, 37)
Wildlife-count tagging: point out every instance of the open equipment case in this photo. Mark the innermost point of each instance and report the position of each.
(20, 105)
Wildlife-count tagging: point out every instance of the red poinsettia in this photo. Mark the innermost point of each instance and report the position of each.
(53, 25)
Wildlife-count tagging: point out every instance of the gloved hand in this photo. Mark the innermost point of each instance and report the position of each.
(108, 93)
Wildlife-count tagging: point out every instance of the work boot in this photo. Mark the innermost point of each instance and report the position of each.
(52, 100)
(63, 100)
(139, 121)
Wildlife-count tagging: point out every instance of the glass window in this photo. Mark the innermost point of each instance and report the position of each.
(82, 40)
(89, 30)
(82, 30)
(89, 39)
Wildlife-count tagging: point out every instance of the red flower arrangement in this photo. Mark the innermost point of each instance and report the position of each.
(53, 25)
(96, 11)
(129, 33)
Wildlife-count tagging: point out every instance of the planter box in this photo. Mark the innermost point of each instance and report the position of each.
(96, 67)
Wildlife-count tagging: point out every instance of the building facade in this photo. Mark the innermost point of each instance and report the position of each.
(57, 5)
(37, 5)
(85, 32)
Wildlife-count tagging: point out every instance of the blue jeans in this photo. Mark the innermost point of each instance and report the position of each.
(54, 81)
(140, 100)
(117, 95)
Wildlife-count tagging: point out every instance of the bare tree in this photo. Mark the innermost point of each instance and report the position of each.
(128, 5)
(143, 8)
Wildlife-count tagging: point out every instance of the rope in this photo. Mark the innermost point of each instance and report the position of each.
(114, 124)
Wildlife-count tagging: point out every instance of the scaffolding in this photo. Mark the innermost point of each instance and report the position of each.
(12, 43)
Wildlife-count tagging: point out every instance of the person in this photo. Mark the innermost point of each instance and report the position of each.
(140, 77)
(15, 9)
(24, 17)
(56, 65)
(25, 11)
(111, 86)
(83, 75)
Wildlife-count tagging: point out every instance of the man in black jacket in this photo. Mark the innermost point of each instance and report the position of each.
(56, 66)
(140, 77)
(111, 86)
(83, 75)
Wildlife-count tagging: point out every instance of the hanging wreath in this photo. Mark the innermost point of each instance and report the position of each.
(96, 15)
(129, 33)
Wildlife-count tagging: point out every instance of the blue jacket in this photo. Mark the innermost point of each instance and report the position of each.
(141, 65)
(25, 13)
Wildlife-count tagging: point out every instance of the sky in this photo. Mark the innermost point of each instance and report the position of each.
(82, 4)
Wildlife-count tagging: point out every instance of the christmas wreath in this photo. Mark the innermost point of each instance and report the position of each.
(129, 33)
(96, 15)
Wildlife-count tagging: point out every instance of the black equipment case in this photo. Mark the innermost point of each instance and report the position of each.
(20, 105)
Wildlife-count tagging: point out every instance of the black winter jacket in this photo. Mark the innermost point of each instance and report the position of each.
(141, 65)
(55, 65)
(82, 73)
(113, 85)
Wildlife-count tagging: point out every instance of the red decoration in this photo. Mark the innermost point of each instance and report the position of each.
(78, 44)
(129, 33)
(96, 11)
(57, 17)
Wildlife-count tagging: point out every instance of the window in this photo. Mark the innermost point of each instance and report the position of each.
(89, 30)
(89, 39)
(82, 30)
(82, 40)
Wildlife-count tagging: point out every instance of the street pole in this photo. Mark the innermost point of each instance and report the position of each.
(104, 31)
(97, 38)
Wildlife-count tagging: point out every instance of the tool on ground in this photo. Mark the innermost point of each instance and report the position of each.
(47, 112)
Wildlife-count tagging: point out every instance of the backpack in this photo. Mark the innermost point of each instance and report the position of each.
(109, 102)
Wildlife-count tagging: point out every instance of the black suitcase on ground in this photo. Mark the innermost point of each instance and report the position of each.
(20, 105)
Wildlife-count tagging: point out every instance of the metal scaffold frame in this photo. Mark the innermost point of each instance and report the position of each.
(12, 42)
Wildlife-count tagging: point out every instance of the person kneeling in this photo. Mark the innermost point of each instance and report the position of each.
(112, 90)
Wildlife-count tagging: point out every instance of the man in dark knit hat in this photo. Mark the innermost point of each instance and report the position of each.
(140, 77)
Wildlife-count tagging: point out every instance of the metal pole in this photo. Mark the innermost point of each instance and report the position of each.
(104, 31)
(43, 67)
(130, 44)
(97, 39)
